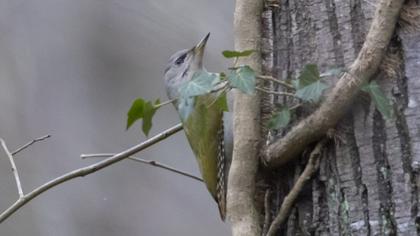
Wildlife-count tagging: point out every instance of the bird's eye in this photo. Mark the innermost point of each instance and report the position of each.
(180, 59)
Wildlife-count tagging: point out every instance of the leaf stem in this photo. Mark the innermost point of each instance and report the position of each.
(164, 103)
(276, 93)
(271, 78)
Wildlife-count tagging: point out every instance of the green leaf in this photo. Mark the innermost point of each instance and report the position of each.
(221, 102)
(142, 109)
(232, 54)
(309, 75)
(185, 107)
(201, 83)
(312, 92)
(280, 119)
(243, 78)
(149, 111)
(136, 112)
(309, 87)
(382, 103)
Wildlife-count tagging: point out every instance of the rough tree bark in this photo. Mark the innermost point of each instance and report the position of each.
(368, 183)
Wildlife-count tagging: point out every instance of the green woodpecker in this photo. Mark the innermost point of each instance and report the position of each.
(204, 127)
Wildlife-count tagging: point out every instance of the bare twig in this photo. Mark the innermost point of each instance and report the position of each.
(271, 78)
(289, 200)
(88, 170)
(149, 162)
(276, 93)
(14, 169)
(30, 143)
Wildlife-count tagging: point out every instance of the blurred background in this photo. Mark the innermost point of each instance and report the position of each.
(71, 69)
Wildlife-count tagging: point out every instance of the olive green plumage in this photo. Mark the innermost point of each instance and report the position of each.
(202, 129)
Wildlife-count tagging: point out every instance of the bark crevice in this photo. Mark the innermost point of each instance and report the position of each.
(384, 177)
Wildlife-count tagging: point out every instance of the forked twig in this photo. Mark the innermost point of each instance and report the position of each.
(14, 169)
(81, 172)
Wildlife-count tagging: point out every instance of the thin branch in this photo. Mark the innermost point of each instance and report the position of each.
(88, 170)
(14, 169)
(271, 78)
(346, 89)
(30, 143)
(276, 93)
(149, 162)
(289, 200)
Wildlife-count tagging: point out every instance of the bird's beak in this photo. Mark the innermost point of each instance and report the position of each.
(198, 49)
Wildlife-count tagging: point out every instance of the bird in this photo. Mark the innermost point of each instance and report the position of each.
(206, 126)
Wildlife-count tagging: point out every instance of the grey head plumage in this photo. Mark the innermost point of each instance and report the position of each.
(182, 65)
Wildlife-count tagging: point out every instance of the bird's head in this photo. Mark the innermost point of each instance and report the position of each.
(182, 65)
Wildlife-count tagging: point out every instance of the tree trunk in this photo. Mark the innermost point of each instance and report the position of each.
(368, 180)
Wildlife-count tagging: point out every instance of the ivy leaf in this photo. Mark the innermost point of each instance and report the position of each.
(201, 83)
(185, 107)
(312, 92)
(308, 75)
(142, 109)
(149, 111)
(243, 78)
(233, 54)
(280, 119)
(309, 87)
(382, 103)
(136, 112)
